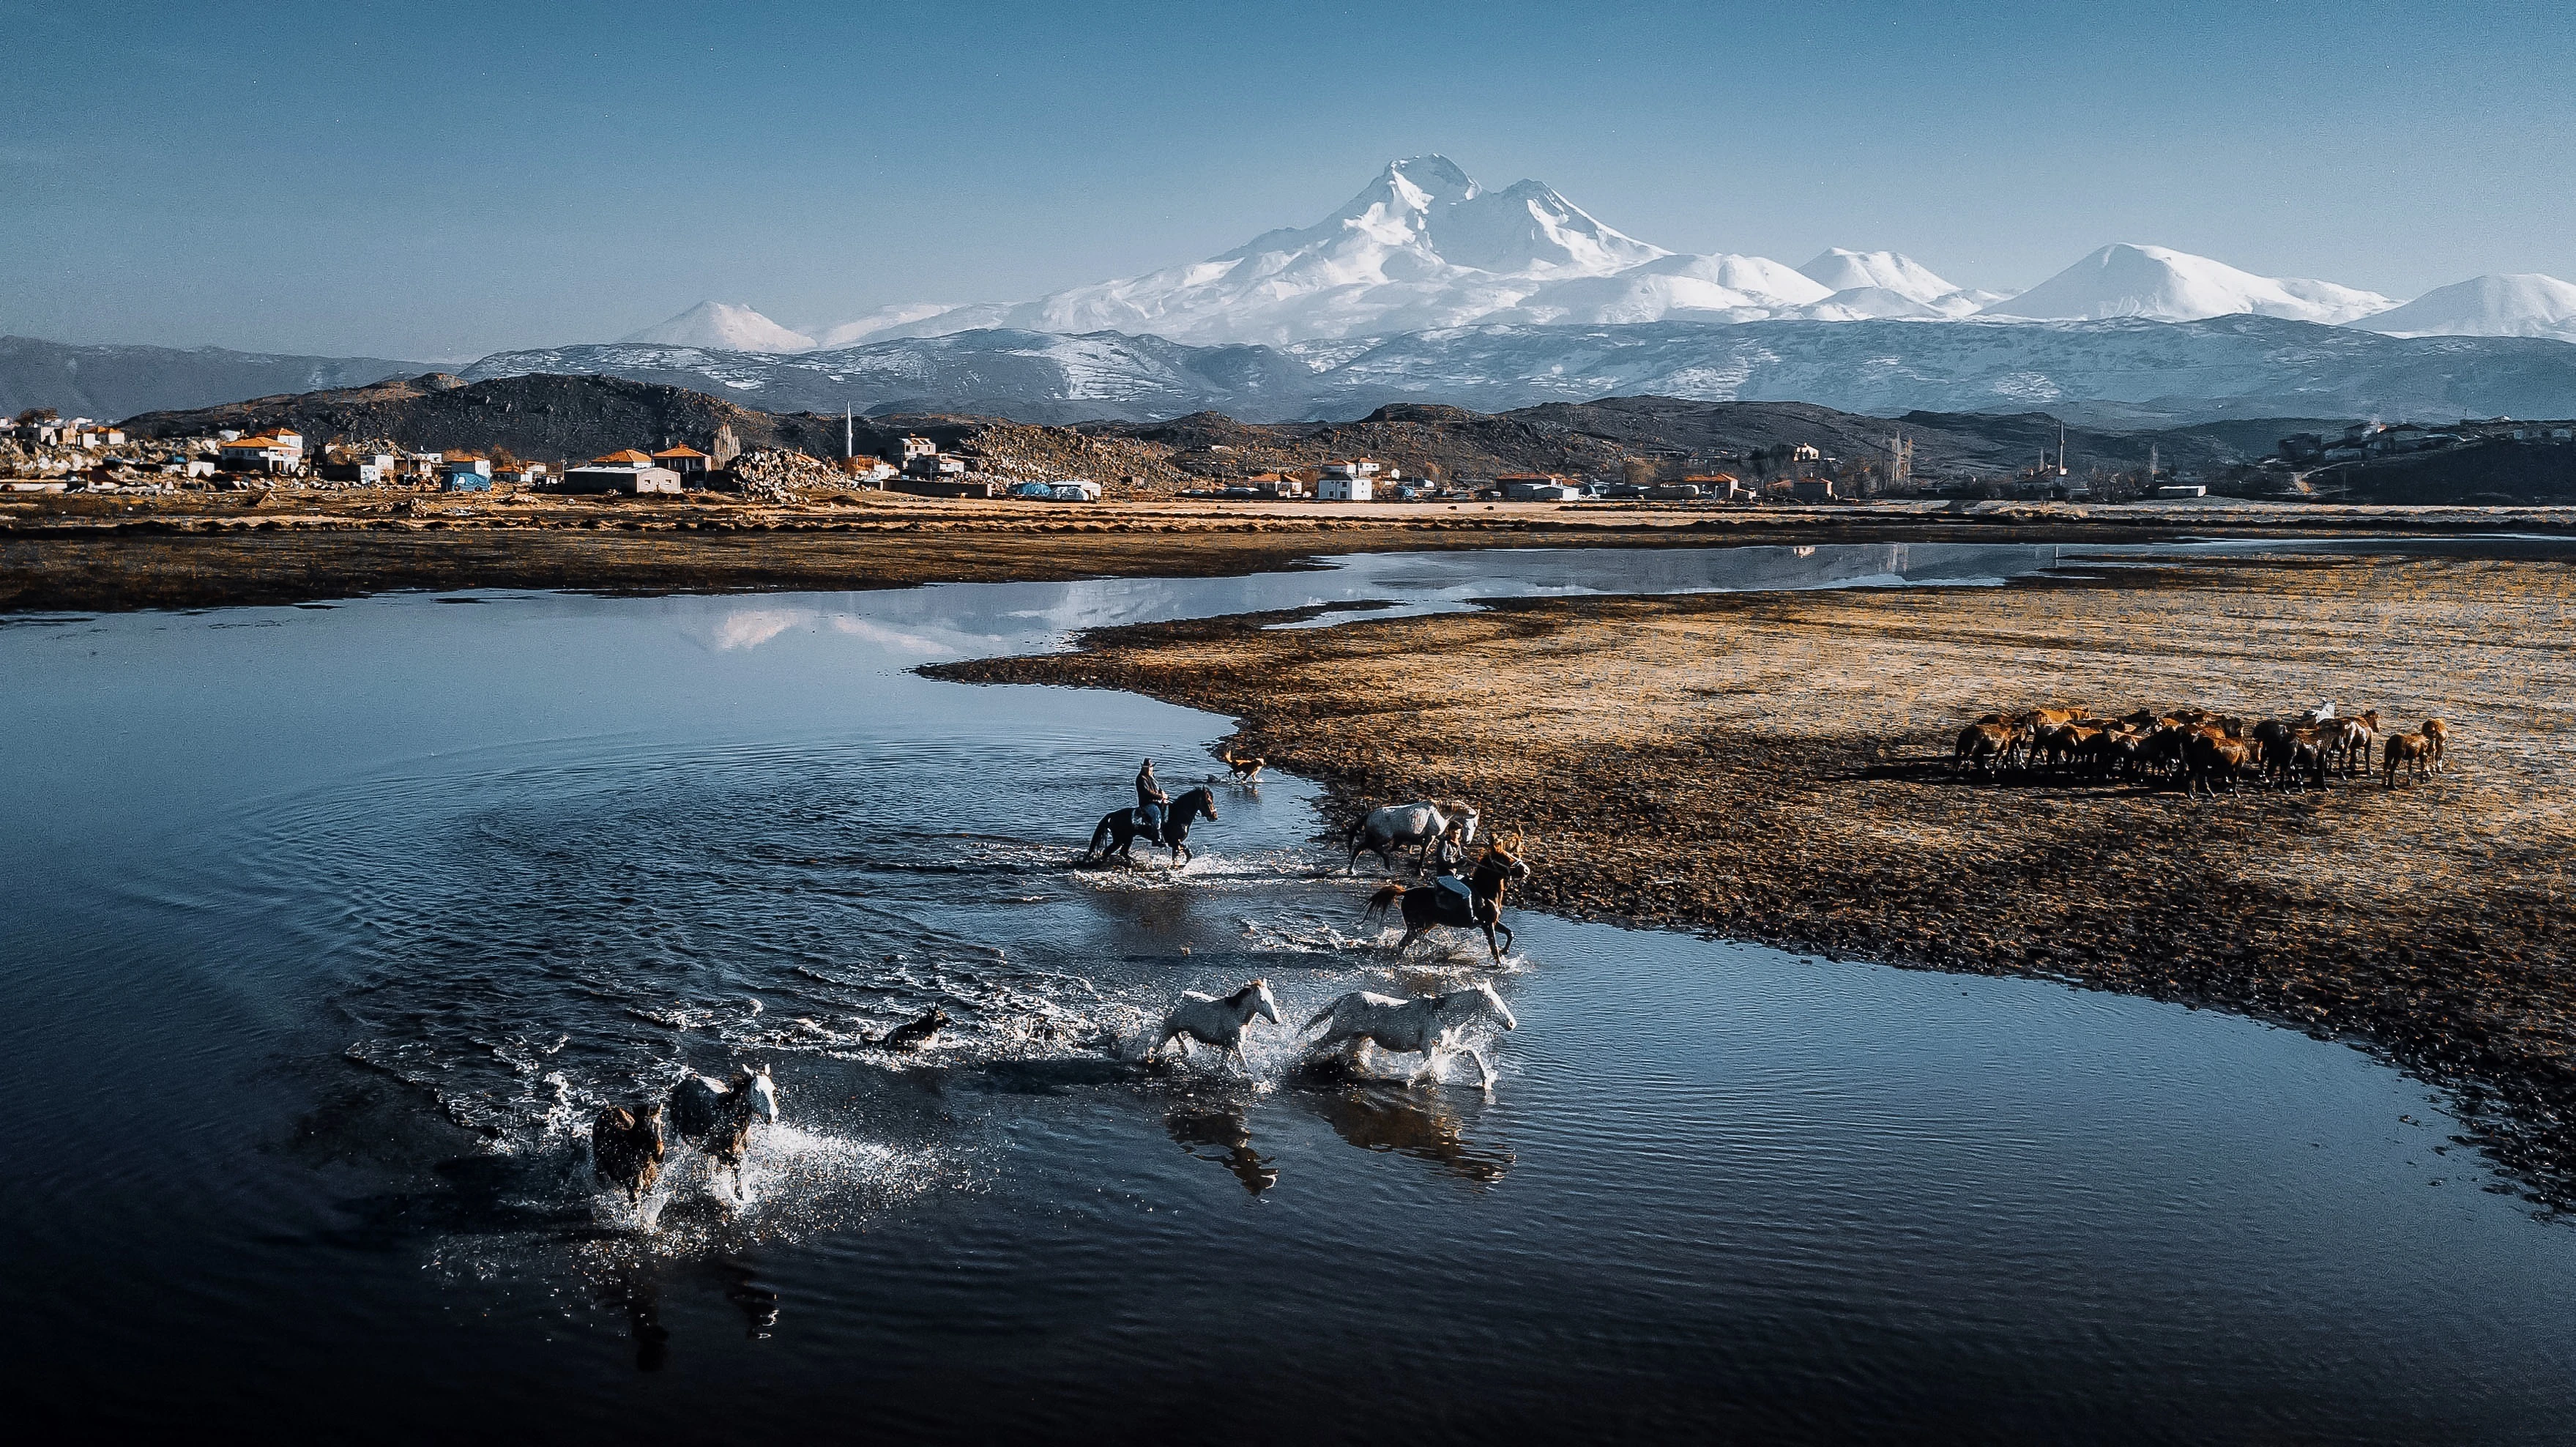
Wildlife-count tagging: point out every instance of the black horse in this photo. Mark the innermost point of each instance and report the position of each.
(1427, 907)
(1120, 831)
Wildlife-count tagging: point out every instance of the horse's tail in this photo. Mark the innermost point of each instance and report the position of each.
(1381, 901)
(1321, 1015)
(1100, 836)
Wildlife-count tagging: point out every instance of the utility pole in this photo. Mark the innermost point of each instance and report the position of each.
(846, 453)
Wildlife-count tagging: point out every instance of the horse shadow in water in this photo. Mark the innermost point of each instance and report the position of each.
(635, 1290)
(1391, 1119)
(1218, 1133)
(1119, 830)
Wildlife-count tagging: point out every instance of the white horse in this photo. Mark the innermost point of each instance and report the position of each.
(715, 1116)
(1426, 1025)
(1397, 825)
(1212, 1021)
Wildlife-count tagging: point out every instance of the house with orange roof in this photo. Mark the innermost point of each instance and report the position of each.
(682, 459)
(270, 453)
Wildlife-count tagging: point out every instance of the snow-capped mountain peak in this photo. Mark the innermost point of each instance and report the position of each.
(1422, 245)
(1889, 271)
(2505, 304)
(724, 327)
(2161, 284)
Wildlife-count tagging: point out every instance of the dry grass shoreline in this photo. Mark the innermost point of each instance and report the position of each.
(105, 552)
(1773, 767)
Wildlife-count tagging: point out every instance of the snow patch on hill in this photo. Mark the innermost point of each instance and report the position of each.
(2157, 283)
(724, 326)
(2509, 304)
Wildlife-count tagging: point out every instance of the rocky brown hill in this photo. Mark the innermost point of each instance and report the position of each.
(554, 418)
(1594, 438)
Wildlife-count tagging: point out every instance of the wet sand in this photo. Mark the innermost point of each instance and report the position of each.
(104, 552)
(1774, 767)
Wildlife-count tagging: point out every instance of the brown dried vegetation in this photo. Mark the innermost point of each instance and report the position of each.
(1777, 767)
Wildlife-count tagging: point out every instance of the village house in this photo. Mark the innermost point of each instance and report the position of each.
(625, 470)
(682, 459)
(277, 453)
(1535, 487)
(51, 431)
(1348, 482)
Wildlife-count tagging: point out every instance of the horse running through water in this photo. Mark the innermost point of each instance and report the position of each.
(626, 1149)
(716, 1118)
(1427, 1025)
(1396, 826)
(1119, 831)
(1429, 907)
(1218, 1022)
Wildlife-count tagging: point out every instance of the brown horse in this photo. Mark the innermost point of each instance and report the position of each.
(2212, 756)
(2413, 750)
(2437, 732)
(626, 1149)
(1986, 745)
(1427, 907)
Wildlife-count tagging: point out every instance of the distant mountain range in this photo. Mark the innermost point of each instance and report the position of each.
(119, 381)
(2120, 372)
(1426, 287)
(1424, 247)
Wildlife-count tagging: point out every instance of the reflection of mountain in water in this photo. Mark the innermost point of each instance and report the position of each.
(1382, 1118)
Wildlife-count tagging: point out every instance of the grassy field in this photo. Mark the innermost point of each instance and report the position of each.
(1775, 767)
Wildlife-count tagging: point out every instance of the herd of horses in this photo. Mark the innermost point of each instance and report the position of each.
(630, 1144)
(2199, 749)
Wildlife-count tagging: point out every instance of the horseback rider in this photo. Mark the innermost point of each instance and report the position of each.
(1150, 800)
(1446, 857)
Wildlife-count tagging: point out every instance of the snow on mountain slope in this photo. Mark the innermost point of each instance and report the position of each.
(731, 328)
(1716, 288)
(2161, 284)
(1422, 245)
(887, 321)
(1840, 270)
(2120, 371)
(2511, 304)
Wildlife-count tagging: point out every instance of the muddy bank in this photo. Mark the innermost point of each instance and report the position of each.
(104, 552)
(1773, 767)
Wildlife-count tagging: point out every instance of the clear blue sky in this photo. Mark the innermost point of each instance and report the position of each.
(438, 180)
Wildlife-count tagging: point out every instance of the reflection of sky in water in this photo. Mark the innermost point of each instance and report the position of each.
(520, 858)
(953, 620)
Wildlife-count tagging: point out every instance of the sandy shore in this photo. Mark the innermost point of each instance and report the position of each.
(1773, 767)
(104, 552)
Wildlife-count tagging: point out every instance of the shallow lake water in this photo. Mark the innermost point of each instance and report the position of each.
(329, 928)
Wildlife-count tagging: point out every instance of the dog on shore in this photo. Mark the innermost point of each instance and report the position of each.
(916, 1034)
